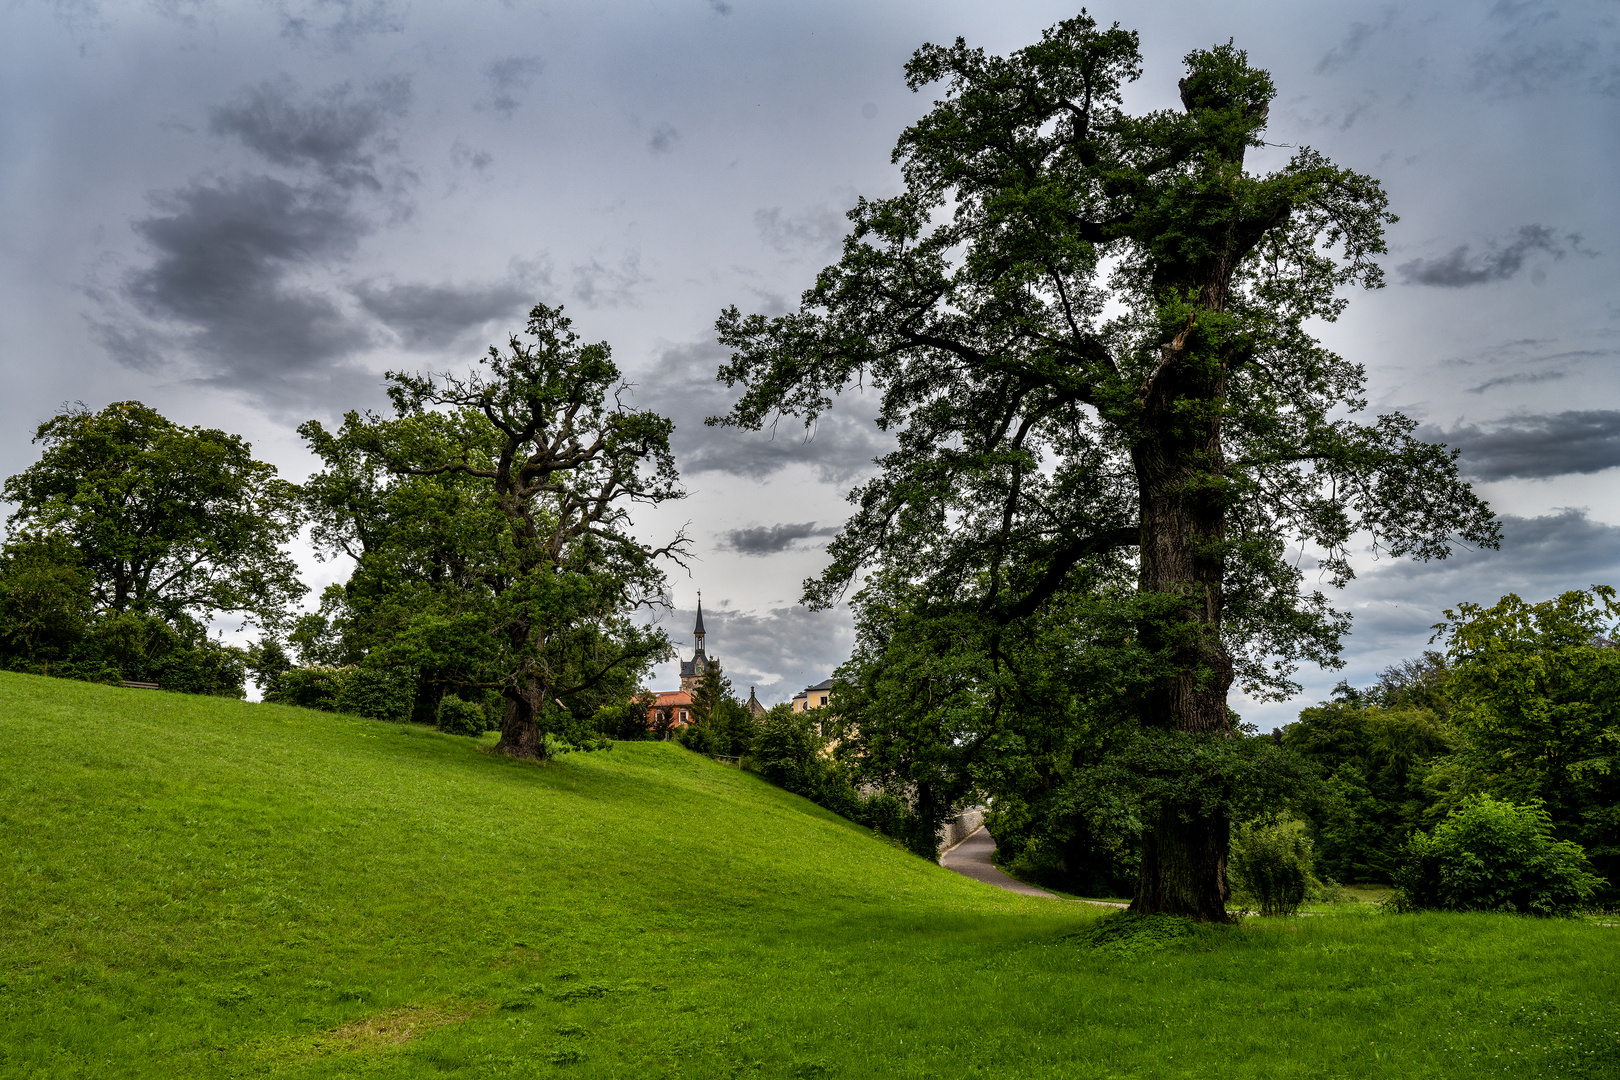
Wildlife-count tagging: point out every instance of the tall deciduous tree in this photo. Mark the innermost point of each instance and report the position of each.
(533, 566)
(170, 521)
(1091, 334)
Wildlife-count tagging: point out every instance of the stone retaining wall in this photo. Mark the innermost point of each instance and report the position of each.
(960, 827)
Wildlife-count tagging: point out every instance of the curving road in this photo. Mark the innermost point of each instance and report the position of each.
(971, 858)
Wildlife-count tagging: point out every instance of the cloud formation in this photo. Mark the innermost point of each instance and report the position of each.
(430, 317)
(663, 138)
(507, 77)
(682, 385)
(1347, 50)
(232, 280)
(1544, 47)
(1459, 269)
(1535, 447)
(819, 229)
(772, 539)
(340, 24)
(339, 132)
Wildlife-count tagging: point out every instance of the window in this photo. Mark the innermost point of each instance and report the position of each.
(824, 699)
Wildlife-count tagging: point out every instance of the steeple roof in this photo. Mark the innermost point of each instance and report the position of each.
(698, 629)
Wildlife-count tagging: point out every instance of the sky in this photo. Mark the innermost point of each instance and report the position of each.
(242, 214)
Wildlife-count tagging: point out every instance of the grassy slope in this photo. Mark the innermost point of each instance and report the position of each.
(197, 887)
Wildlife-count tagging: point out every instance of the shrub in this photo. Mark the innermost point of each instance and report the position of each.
(309, 687)
(378, 693)
(1493, 855)
(699, 738)
(458, 716)
(1270, 863)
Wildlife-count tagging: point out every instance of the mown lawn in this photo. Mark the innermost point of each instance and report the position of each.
(196, 887)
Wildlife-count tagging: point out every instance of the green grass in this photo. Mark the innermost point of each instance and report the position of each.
(195, 887)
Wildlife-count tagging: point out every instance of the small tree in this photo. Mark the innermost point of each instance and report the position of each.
(542, 579)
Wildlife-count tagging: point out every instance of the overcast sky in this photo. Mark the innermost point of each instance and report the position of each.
(241, 214)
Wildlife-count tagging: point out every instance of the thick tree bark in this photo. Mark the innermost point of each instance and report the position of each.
(1180, 469)
(521, 736)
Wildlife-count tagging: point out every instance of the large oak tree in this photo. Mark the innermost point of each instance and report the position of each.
(1092, 336)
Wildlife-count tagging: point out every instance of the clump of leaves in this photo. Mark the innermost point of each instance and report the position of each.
(1130, 934)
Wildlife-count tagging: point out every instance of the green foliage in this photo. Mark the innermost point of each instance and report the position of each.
(1492, 855)
(169, 521)
(1535, 693)
(45, 602)
(1270, 863)
(377, 693)
(787, 750)
(310, 687)
(1377, 762)
(489, 521)
(458, 716)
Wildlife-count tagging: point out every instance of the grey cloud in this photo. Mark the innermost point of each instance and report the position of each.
(663, 138)
(681, 385)
(462, 156)
(339, 132)
(720, 7)
(779, 651)
(1394, 605)
(340, 23)
(507, 77)
(1357, 37)
(1457, 269)
(430, 317)
(222, 291)
(819, 229)
(1517, 379)
(1537, 446)
(600, 286)
(1545, 47)
(772, 539)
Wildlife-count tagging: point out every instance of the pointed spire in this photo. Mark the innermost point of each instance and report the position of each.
(698, 629)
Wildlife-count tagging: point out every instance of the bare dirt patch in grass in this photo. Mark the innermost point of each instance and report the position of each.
(379, 1032)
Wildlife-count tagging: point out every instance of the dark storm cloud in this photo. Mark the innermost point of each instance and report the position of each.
(340, 23)
(1459, 269)
(1530, 447)
(1540, 557)
(682, 386)
(222, 255)
(663, 138)
(507, 77)
(772, 539)
(819, 229)
(339, 132)
(1357, 37)
(779, 651)
(428, 317)
(720, 7)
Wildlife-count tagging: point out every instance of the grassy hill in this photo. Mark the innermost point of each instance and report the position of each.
(198, 887)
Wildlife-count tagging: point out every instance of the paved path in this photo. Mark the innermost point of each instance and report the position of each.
(971, 858)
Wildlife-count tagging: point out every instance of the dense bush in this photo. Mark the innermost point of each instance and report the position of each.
(458, 716)
(1270, 864)
(1493, 855)
(377, 693)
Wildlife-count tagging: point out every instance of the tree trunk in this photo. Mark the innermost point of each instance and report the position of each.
(521, 736)
(1180, 470)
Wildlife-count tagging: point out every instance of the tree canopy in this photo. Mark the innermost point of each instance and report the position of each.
(489, 517)
(175, 522)
(1091, 334)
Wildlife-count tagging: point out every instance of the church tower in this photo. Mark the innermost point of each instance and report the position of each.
(692, 670)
